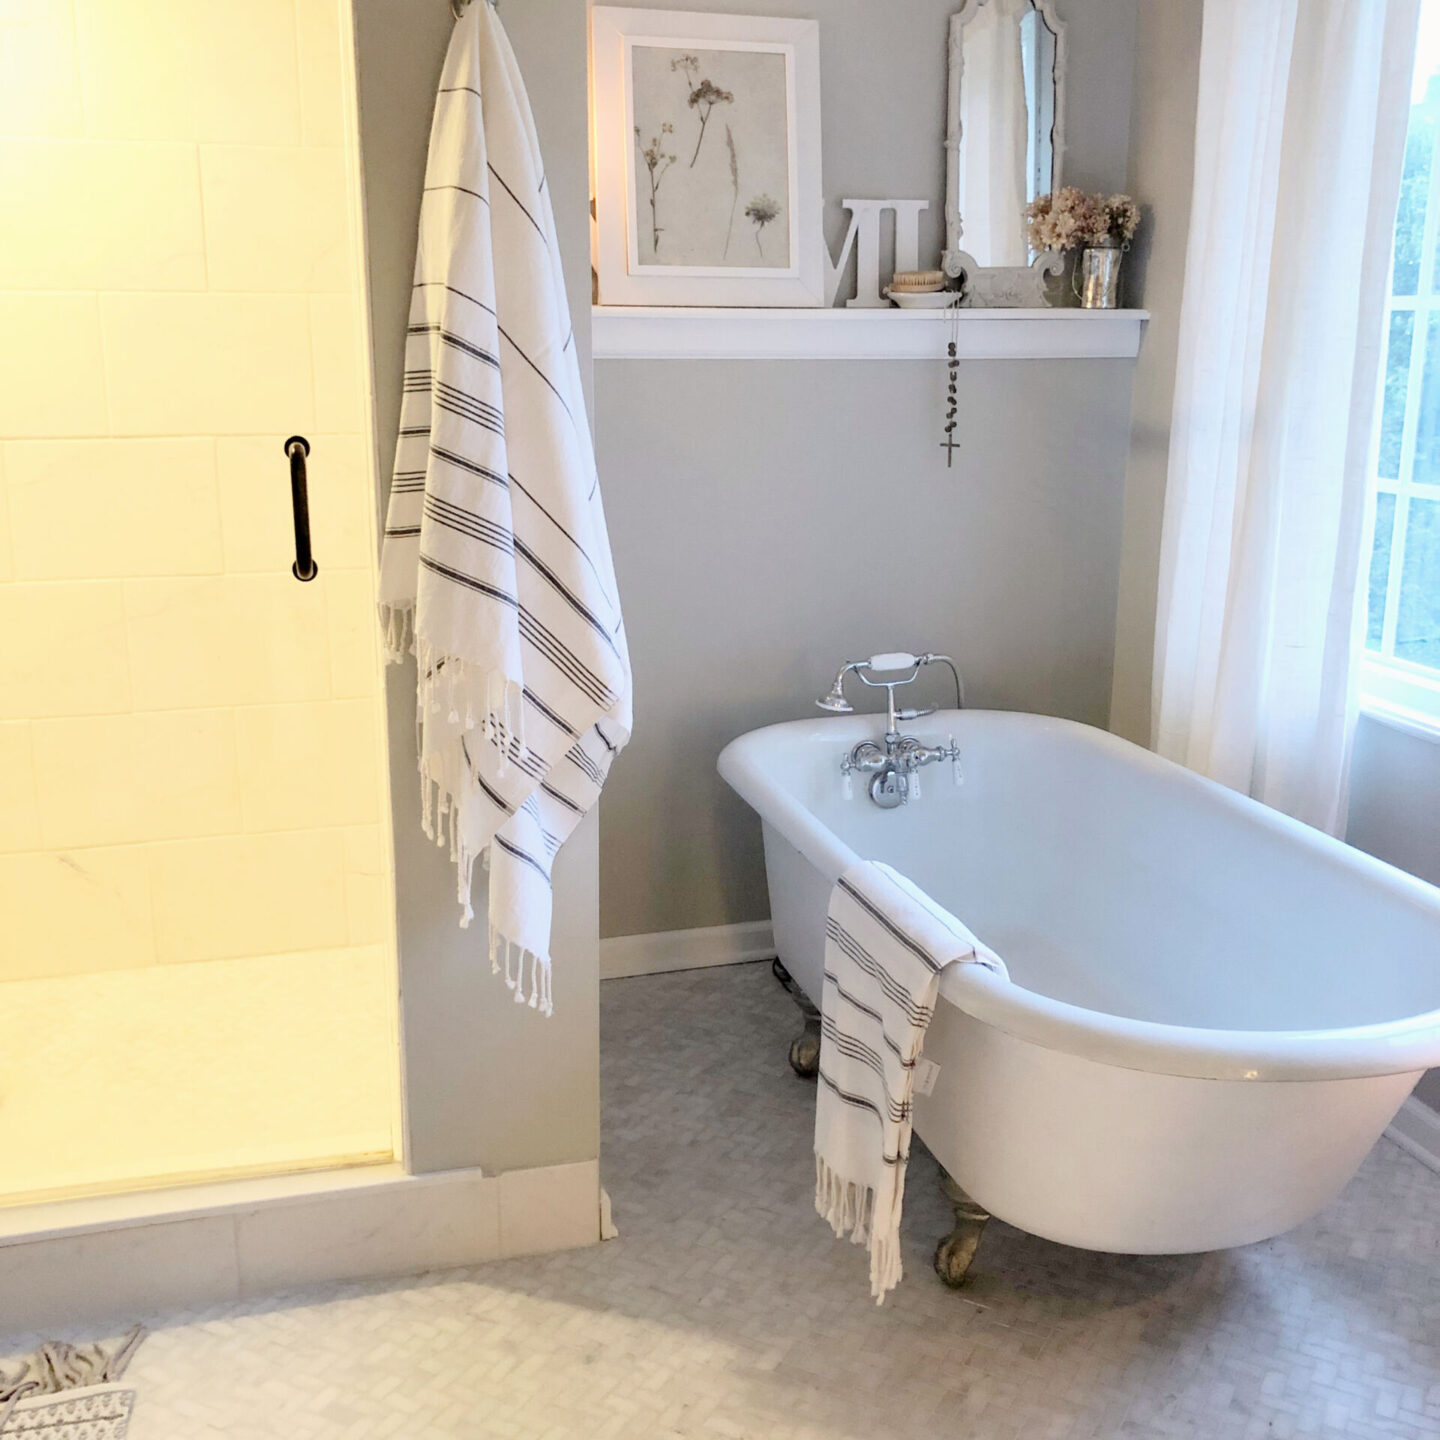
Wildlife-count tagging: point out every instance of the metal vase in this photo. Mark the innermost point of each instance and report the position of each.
(1099, 279)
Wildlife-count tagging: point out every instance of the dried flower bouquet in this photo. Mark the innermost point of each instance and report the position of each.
(1071, 219)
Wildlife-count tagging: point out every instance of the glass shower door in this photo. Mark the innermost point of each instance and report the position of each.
(196, 944)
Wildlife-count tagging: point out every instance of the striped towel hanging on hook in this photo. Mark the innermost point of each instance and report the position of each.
(496, 571)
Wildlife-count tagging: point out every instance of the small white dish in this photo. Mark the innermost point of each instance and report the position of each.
(924, 299)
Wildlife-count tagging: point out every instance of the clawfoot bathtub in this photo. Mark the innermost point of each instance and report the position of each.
(1213, 1011)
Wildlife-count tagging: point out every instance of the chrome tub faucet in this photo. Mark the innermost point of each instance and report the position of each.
(894, 766)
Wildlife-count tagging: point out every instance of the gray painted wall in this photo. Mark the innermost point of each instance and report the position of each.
(1395, 783)
(489, 1083)
(771, 519)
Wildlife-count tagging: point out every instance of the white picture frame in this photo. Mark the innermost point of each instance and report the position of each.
(638, 70)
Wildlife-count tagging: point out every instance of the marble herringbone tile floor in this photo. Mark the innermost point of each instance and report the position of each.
(726, 1312)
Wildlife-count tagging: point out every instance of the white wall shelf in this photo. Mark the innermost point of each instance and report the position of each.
(642, 332)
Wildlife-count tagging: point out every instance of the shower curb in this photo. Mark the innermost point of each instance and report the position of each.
(127, 1255)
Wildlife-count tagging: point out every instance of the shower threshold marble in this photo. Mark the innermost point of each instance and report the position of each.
(727, 1311)
(181, 1074)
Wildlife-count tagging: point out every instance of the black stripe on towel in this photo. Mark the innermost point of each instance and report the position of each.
(483, 199)
(520, 854)
(860, 1103)
(564, 800)
(893, 990)
(564, 660)
(441, 284)
(463, 523)
(912, 945)
(518, 202)
(456, 342)
(468, 581)
(505, 335)
(495, 799)
(573, 600)
(581, 761)
(472, 466)
(520, 486)
(557, 720)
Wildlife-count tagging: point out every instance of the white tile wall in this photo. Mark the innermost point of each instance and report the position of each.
(249, 895)
(317, 24)
(353, 636)
(335, 336)
(119, 779)
(366, 915)
(116, 244)
(255, 511)
(298, 764)
(226, 640)
(39, 80)
(245, 53)
(52, 376)
(139, 81)
(19, 808)
(275, 218)
(209, 364)
(7, 566)
(94, 905)
(190, 759)
(64, 650)
(97, 509)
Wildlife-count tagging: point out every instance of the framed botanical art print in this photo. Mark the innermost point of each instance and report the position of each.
(707, 159)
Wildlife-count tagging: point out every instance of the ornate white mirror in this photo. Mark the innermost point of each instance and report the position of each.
(1004, 142)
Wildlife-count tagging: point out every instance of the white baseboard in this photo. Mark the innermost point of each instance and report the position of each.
(110, 1257)
(1416, 1129)
(686, 949)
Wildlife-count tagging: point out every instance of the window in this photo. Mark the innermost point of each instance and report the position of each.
(1401, 671)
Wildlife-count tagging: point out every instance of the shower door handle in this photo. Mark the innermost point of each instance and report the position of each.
(297, 447)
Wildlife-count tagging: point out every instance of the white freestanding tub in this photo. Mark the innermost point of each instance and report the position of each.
(1213, 1011)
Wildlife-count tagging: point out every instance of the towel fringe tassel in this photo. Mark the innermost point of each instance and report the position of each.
(397, 625)
(515, 960)
(445, 684)
(849, 1208)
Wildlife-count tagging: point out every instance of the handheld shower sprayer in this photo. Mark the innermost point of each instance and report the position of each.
(886, 664)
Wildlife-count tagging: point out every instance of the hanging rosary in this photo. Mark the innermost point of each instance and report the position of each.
(952, 377)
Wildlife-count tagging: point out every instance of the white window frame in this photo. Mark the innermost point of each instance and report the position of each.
(1395, 690)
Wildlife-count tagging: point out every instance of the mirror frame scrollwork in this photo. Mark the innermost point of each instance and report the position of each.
(1018, 286)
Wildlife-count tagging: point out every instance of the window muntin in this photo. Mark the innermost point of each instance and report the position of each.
(1401, 670)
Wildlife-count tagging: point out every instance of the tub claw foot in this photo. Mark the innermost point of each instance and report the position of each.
(805, 1047)
(956, 1252)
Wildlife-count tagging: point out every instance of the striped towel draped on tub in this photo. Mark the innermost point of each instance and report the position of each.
(496, 569)
(886, 944)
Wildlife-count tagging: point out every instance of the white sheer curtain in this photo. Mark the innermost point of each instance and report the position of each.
(1300, 134)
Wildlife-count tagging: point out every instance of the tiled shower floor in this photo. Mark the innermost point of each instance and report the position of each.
(726, 1310)
(184, 1072)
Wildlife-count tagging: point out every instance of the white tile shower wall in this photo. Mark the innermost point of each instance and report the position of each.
(183, 728)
